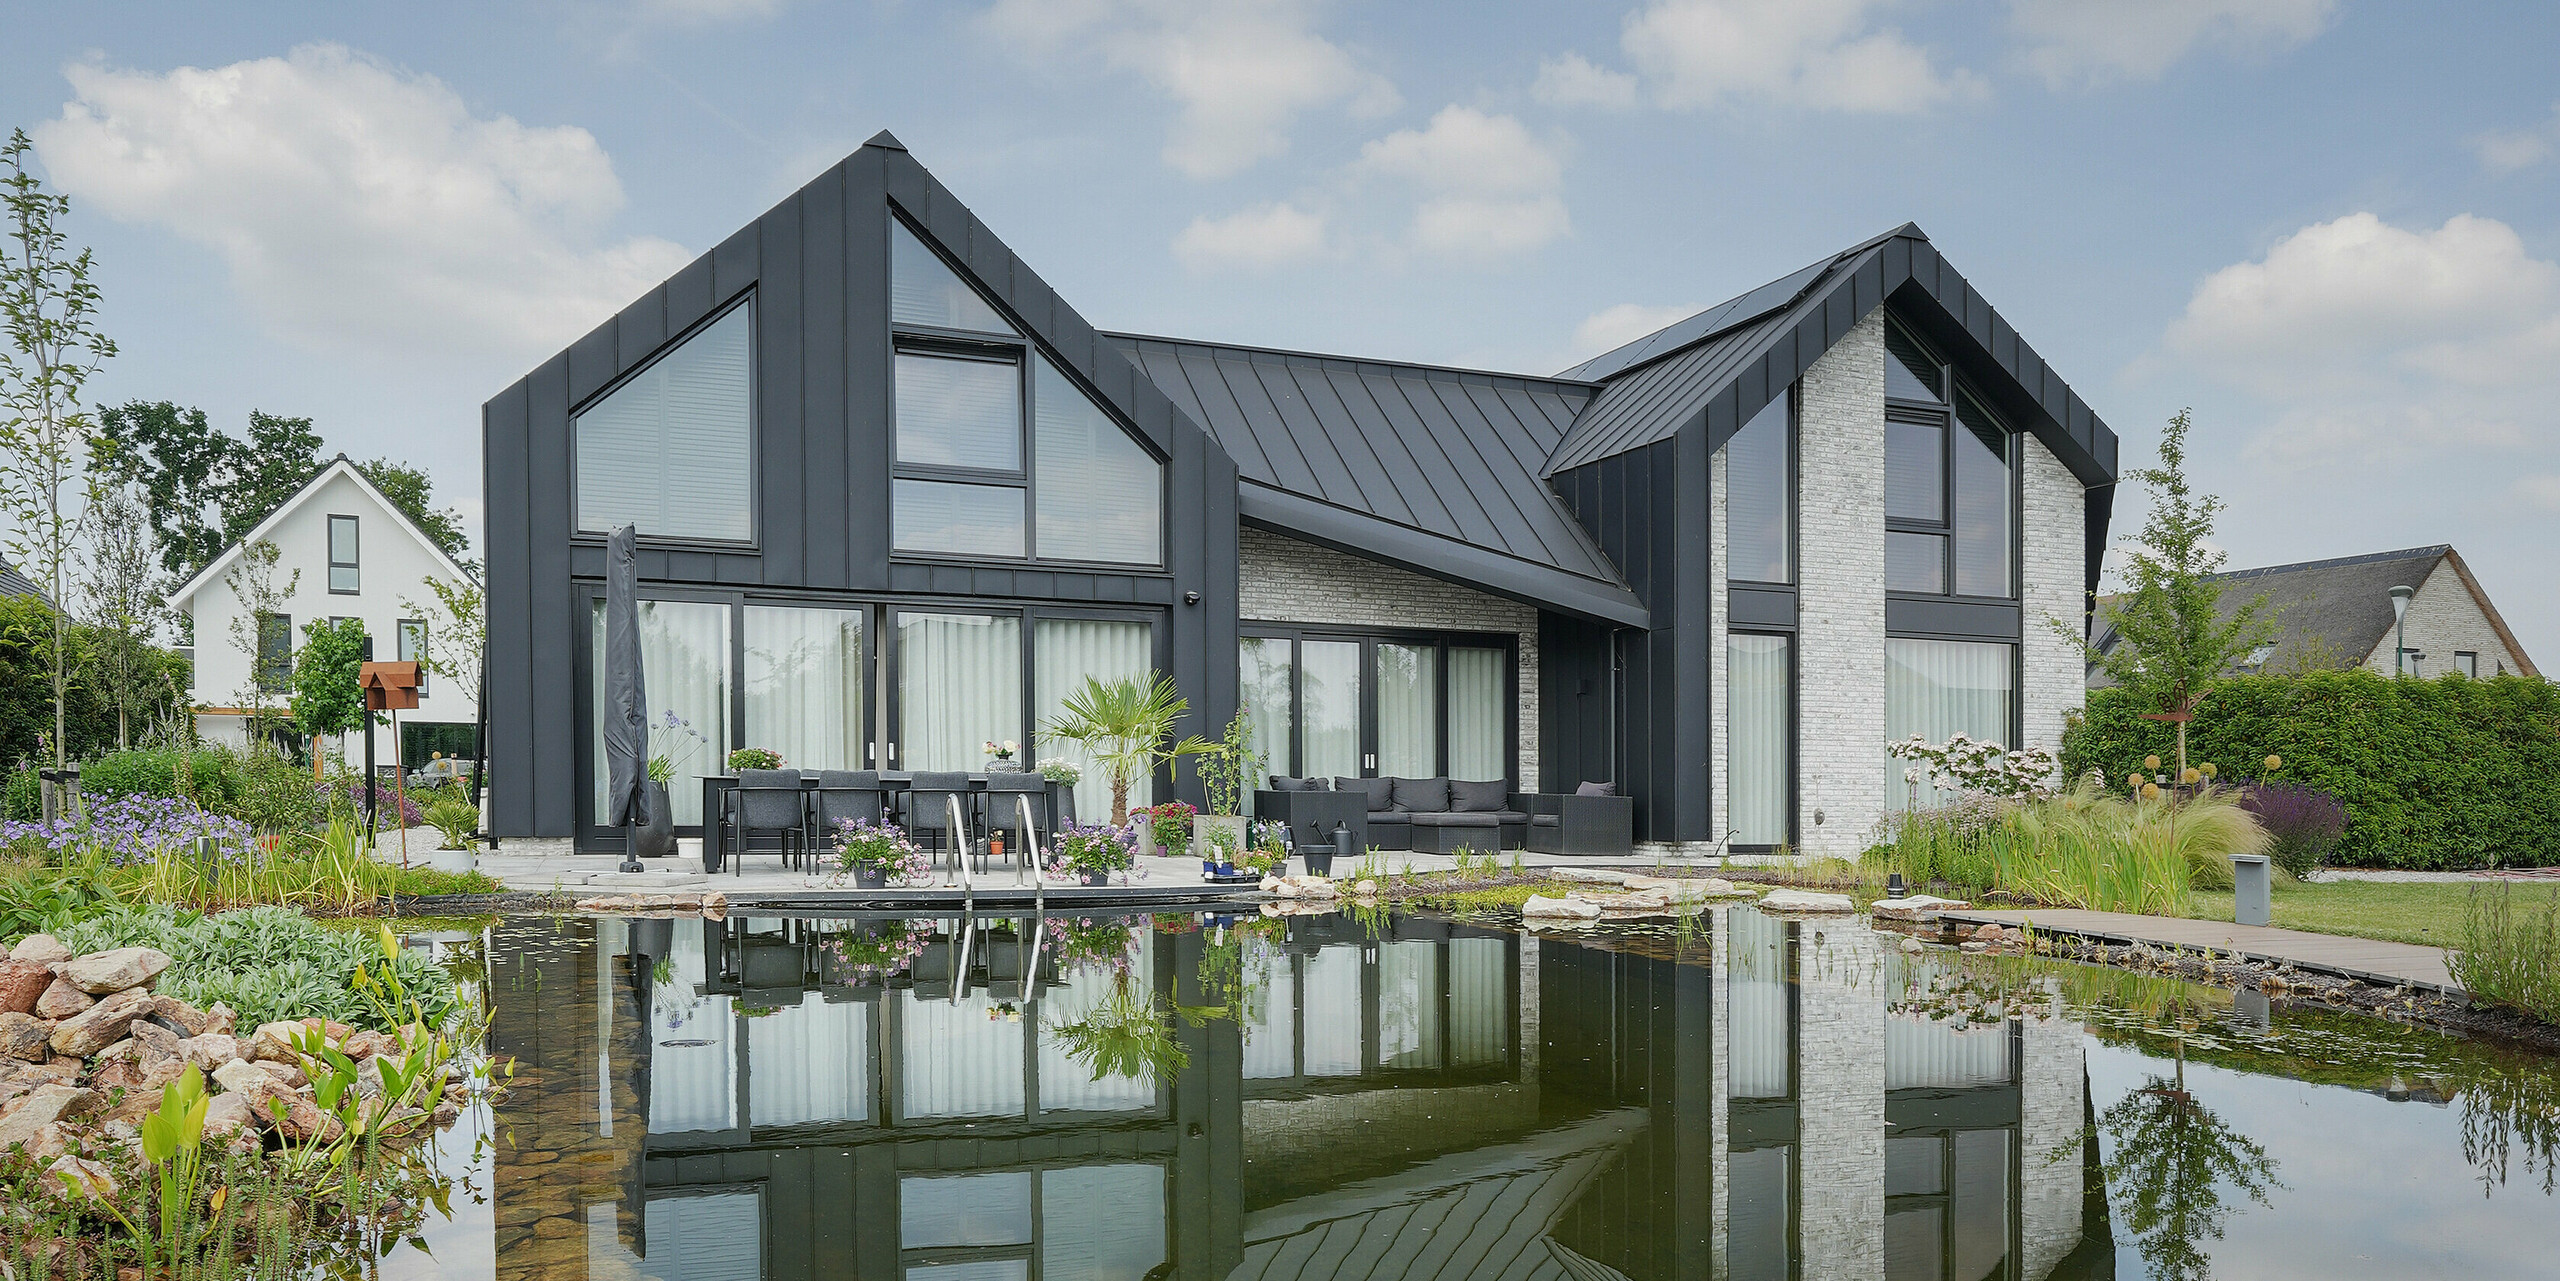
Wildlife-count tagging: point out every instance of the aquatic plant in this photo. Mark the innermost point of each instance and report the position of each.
(1128, 1033)
(2510, 953)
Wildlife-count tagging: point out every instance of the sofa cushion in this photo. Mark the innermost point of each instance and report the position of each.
(1380, 791)
(1284, 783)
(1390, 818)
(1596, 789)
(1421, 795)
(1511, 816)
(1477, 798)
(1446, 819)
(1542, 820)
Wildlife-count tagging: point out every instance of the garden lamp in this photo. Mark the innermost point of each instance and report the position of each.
(2400, 621)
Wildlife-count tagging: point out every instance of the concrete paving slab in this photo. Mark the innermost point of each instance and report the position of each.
(2371, 960)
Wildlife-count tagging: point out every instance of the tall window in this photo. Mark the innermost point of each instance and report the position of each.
(1066, 651)
(1759, 677)
(1407, 705)
(959, 686)
(345, 575)
(413, 648)
(684, 654)
(1950, 481)
(999, 453)
(671, 449)
(1266, 688)
(275, 653)
(1760, 497)
(803, 687)
(1939, 689)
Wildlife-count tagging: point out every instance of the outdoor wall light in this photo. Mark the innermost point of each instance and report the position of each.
(1191, 598)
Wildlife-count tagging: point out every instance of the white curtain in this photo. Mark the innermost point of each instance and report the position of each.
(810, 1063)
(1938, 689)
(1759, 1053)
(1924, 1053)
(1479, 1015)
(959, 687)
(1329, 680)
(1408, 711)
(1270, 1035)
(955, 1061)
(1479, 724)
(804, 685)
(1078, 1244)
(1409, 1032)
(1333, 992)
(1756, 716)
(1064, 651)
(684, 660)
(693, 1064)
(1263, 682)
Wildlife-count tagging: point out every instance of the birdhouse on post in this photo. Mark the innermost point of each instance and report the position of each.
(389, 687)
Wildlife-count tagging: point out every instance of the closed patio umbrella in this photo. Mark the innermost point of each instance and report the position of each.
(626, 700)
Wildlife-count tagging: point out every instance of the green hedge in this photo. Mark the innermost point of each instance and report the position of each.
(2443, 773)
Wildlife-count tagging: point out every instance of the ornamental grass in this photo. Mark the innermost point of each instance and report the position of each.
(2510, 953)
(2085, 847)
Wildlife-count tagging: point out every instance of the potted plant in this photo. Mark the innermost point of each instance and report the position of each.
(1090, 854)
(1062, 775)
(1165, 828)
(672, 743)
(1123, 725)
(1224, 769)
(1271, 849)
(1000, 755)
(457, 820)
(747, 758)
(869, 953)
(875, 854)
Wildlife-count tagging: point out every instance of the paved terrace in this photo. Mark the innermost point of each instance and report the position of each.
(2371, 960)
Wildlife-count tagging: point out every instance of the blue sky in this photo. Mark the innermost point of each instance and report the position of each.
(2328, 226)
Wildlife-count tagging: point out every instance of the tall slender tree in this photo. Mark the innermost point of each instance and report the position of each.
(122, 603)
(49, 306)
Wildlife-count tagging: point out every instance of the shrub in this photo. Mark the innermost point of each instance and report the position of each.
(754, 758)
(394, 808)
(24, 797)
(269, 963)
(276, 795)
(128, 831)
(213, 776)
(2510, 953)
(2303, 823)
(2443, 773)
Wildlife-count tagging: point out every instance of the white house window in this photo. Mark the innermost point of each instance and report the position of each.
(1939, 689)
(671, 449)
(2467, 663)
(345, 574)
(1950, 481)
(999, 453)
(413, 648)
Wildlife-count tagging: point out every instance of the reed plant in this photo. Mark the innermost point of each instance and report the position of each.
(2510, 953)
(2083, 847)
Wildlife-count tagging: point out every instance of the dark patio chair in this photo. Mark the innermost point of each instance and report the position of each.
(768, 800)
(1005, 792)
(929, 812)
(1582, 826)
(844, 796)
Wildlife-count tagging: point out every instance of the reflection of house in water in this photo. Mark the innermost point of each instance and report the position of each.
(1438, 1101)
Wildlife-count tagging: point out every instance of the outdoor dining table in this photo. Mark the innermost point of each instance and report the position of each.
(715, 789)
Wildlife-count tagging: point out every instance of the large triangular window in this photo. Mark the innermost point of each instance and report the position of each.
(1000, 453)
(671, 448)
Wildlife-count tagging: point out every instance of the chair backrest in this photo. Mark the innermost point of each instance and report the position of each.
(844, 795)
(769, 798)
(1003, 810)
(927, 791)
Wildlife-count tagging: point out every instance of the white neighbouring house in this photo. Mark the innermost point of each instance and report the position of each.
(356, 556)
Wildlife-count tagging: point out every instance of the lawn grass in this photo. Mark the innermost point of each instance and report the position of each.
(2429, 914)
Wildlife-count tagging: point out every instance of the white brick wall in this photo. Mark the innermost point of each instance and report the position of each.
(2051, 1120)
(1840, 1005)
(1840, 595)
(2054, 582)
(1283, 580)
(2444, 619)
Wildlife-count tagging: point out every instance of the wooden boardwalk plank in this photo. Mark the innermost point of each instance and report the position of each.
(2368, 959)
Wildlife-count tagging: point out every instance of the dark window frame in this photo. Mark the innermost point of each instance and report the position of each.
(1795, 498)
(274, 673)
(355, 565)
(1021, 348)
(1945, 416)
(755, 432)
(2467, 662)
(1369, 638)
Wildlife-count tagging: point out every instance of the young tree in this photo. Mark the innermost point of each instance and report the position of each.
(1123, 725)
(123, 606)
(328, 690)
(252, 582)
(457, 632)
(50, 307)
(2174, 641)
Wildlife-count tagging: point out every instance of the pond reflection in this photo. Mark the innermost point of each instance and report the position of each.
(1313, 1097)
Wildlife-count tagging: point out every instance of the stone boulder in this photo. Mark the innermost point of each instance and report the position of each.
(61, 1000)
(1811, 901)
(21, 983)
(1629, 901)
(182, 1018)
(24, 1037)
(46, 1105)
(228, 1114)
(1540, 907)
(153, 1044)
(210, 1051)
(100, 973)
(100, 1025)
(1915, 907)
(43, 949)
(242, 1076)
(1588, 875)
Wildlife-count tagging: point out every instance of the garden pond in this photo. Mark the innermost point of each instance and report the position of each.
(1736, 1095)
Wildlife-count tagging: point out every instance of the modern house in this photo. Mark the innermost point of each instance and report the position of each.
(2337, 614)
(343, 550)
(896, 497)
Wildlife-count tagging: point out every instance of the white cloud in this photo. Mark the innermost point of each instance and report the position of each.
(2097, 41)
(1256, 239)
(1486, 186)
(1574, 81)
(1822, 54)
(1613, 327)
(2508, 151)
(357, 204)
(1240, 71)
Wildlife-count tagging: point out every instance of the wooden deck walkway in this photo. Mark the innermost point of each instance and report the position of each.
(2370, 960)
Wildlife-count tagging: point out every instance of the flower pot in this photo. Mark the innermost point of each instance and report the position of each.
(1093, 878)
(1062, 804)
(870, 877)
(454, 861)
(1226, 869)
(655, 836)
(1319, 860)
(1004, 765)
(1146, 833)
(1222, 831)
(1208, 867)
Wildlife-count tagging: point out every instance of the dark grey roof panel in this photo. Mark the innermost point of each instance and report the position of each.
(1451, 459)
(1725, 315)
(1652, 403)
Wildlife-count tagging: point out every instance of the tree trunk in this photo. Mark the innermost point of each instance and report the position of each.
(1119, 801)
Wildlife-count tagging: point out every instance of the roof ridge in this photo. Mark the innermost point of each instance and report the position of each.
(1301, 354)
(2338, 562)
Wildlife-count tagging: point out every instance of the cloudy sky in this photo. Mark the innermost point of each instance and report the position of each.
(2329, 226)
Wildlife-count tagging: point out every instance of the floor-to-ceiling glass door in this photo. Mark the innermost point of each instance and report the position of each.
(958, 677)
(803, 682)
(1329, 689)
(1412, 705)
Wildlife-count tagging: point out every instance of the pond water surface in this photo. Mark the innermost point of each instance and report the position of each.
(1742, 1096)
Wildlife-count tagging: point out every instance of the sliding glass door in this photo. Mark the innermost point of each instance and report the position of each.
(1067, 651)
(959, 688)
(1329, 688)
(684, 667)
(1759, 714)
(1479, 712)
(1408, 711)
(804, 686)
(1327, 705)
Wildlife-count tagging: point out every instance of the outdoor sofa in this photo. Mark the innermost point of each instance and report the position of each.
(1443, 816)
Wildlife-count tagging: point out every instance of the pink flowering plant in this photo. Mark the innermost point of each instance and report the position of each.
(1169, 824)
(862, 845)
(1095, 847)
(878, 949)
(1083, 943)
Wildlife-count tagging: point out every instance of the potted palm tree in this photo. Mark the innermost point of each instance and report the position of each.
(1124, 726)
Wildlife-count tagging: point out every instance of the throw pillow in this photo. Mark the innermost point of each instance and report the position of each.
(1379, 792)
(1596, 789)
(1422, 795)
